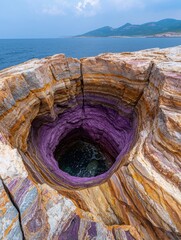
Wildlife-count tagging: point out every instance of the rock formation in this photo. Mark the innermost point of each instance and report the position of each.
(129, 104)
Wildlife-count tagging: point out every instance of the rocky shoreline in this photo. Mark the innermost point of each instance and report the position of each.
(128, 102)
(161, 35)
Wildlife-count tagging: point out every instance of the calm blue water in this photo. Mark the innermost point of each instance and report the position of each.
(13, 52)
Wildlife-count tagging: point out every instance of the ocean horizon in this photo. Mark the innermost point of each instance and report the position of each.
(16, 51)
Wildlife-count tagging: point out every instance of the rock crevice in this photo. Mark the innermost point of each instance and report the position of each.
(21, 233)
(129, 103)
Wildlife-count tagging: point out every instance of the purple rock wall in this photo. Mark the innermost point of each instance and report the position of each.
(104, 125)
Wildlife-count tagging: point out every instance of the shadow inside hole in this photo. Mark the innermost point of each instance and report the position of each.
(80, 156)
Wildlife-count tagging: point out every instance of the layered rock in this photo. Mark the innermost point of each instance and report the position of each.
(129, 103)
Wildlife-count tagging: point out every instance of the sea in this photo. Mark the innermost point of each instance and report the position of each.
(16, 51)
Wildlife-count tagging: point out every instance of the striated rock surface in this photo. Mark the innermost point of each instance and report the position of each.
(129, 104)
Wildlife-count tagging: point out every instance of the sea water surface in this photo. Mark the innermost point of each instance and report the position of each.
(15, 51)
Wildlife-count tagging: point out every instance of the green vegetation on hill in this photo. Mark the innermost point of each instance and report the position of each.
(131, 30)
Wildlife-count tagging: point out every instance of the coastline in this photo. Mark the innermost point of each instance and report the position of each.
(150, 36)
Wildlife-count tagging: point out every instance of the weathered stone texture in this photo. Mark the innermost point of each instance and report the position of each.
(139, 198)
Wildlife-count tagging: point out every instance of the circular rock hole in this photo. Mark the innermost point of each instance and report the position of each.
(78, 155)
(82, 147)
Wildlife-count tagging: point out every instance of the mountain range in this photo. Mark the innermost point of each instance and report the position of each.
(162, 28)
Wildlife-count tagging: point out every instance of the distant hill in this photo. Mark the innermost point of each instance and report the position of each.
(165, 27)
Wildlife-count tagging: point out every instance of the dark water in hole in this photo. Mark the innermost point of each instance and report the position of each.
(83, 159)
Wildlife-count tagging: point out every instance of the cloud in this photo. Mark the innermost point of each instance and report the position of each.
(53, 10)
(87, 7)
(53, 7)
(64, 7)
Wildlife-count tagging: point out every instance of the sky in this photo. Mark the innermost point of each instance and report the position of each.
(57, 18)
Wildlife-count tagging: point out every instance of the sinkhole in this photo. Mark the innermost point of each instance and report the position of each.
(81, 147)
(78, 155)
